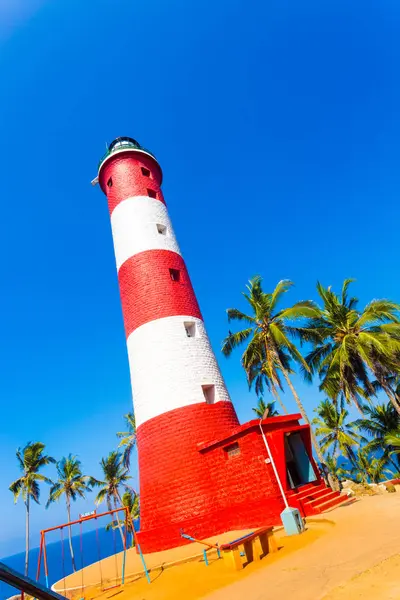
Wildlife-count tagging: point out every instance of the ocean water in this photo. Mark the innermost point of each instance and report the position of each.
(109, 543)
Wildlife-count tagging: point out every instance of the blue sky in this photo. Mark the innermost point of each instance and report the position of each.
(277, 125)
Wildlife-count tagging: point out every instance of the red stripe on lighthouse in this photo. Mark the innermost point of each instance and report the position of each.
(125, 176)
(155, 284)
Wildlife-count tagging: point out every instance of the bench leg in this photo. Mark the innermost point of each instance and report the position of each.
(272, 543)
(248, 549)
(232, 557)
(258, 549)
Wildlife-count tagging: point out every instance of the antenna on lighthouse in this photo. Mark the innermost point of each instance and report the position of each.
(95, 181)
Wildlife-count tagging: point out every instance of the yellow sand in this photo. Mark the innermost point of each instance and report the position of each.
(194, 579)
(382, 581)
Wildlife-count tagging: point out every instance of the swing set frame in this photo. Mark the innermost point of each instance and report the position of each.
(84, 519)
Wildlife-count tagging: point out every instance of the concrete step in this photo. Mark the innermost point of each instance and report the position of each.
(317, 491)
(320, 497)
(332, 502)
(303, 488)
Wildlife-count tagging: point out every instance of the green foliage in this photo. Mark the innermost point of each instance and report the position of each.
(333, 431)
(366, 468)
(128, 438)
(352, 346)
(71, 482)
(31, 459)
(115, 477)
(381, 423)
(262, 407)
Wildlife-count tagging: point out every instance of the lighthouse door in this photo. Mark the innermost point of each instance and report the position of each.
(299, 467)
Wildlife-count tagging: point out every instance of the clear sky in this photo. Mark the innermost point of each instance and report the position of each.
(277, 126)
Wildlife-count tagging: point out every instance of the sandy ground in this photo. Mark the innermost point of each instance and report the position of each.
(357, 557)
(194, 579)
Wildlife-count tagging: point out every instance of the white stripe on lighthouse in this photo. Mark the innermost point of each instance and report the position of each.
(169, 368)
(141, 223)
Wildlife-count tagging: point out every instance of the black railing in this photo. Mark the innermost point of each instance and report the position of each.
(122, 148)
(26, 585)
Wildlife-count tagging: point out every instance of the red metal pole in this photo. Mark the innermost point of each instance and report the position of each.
(109, 512)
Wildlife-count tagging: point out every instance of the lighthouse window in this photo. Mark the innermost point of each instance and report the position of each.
(162, 229)
(109, 182)
(152, 193)
(175, 274)
(209, 393)
(145, 172)
(232, 450)
(190, 328)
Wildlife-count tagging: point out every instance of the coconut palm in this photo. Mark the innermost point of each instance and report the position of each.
(268, 335)
(264, 410)
(31, 459)
(379, 423)
(337, 471)
(333, 431)
(115, 477)
(350, 346)
(131, 501)
(366, 469)
(128, 438)
(72, 484)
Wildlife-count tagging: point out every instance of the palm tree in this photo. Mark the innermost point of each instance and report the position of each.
(31, 459)
(115, 477)
(131, 501)
(264, 410)
(128, 438)
(350, 346)
(379, 423)
(393, 440)
(71, 483)
(337, 472)
(366, 469)
(268, 333)
(334, 432)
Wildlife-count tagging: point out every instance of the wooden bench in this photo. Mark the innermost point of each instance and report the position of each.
(255, 545)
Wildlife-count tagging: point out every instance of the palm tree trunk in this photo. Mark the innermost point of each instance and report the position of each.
(70, 536)
(27, 537)
(116, 497)
(278, 398)
(320, 456)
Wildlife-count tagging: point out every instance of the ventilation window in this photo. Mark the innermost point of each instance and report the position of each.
(175, 274)
(209, 393)
(162, 229)
(152, 193)
(190, 328)
(232, 450)
(109, 182)
(145, 172)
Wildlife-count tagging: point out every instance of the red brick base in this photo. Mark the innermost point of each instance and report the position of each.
(202, 472)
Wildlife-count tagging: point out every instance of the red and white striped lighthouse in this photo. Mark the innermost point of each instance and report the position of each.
(180, 398)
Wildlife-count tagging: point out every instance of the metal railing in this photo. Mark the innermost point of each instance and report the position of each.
(27, 585)
(122, 148)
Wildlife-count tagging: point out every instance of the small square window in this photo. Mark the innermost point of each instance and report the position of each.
(209, 393)
(190, 328)
(109, 182)
(162, 229)
(232, 450)
(152, 193)
(175, 274)
(145, 172)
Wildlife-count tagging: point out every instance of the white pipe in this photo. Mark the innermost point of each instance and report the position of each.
(273, 465)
